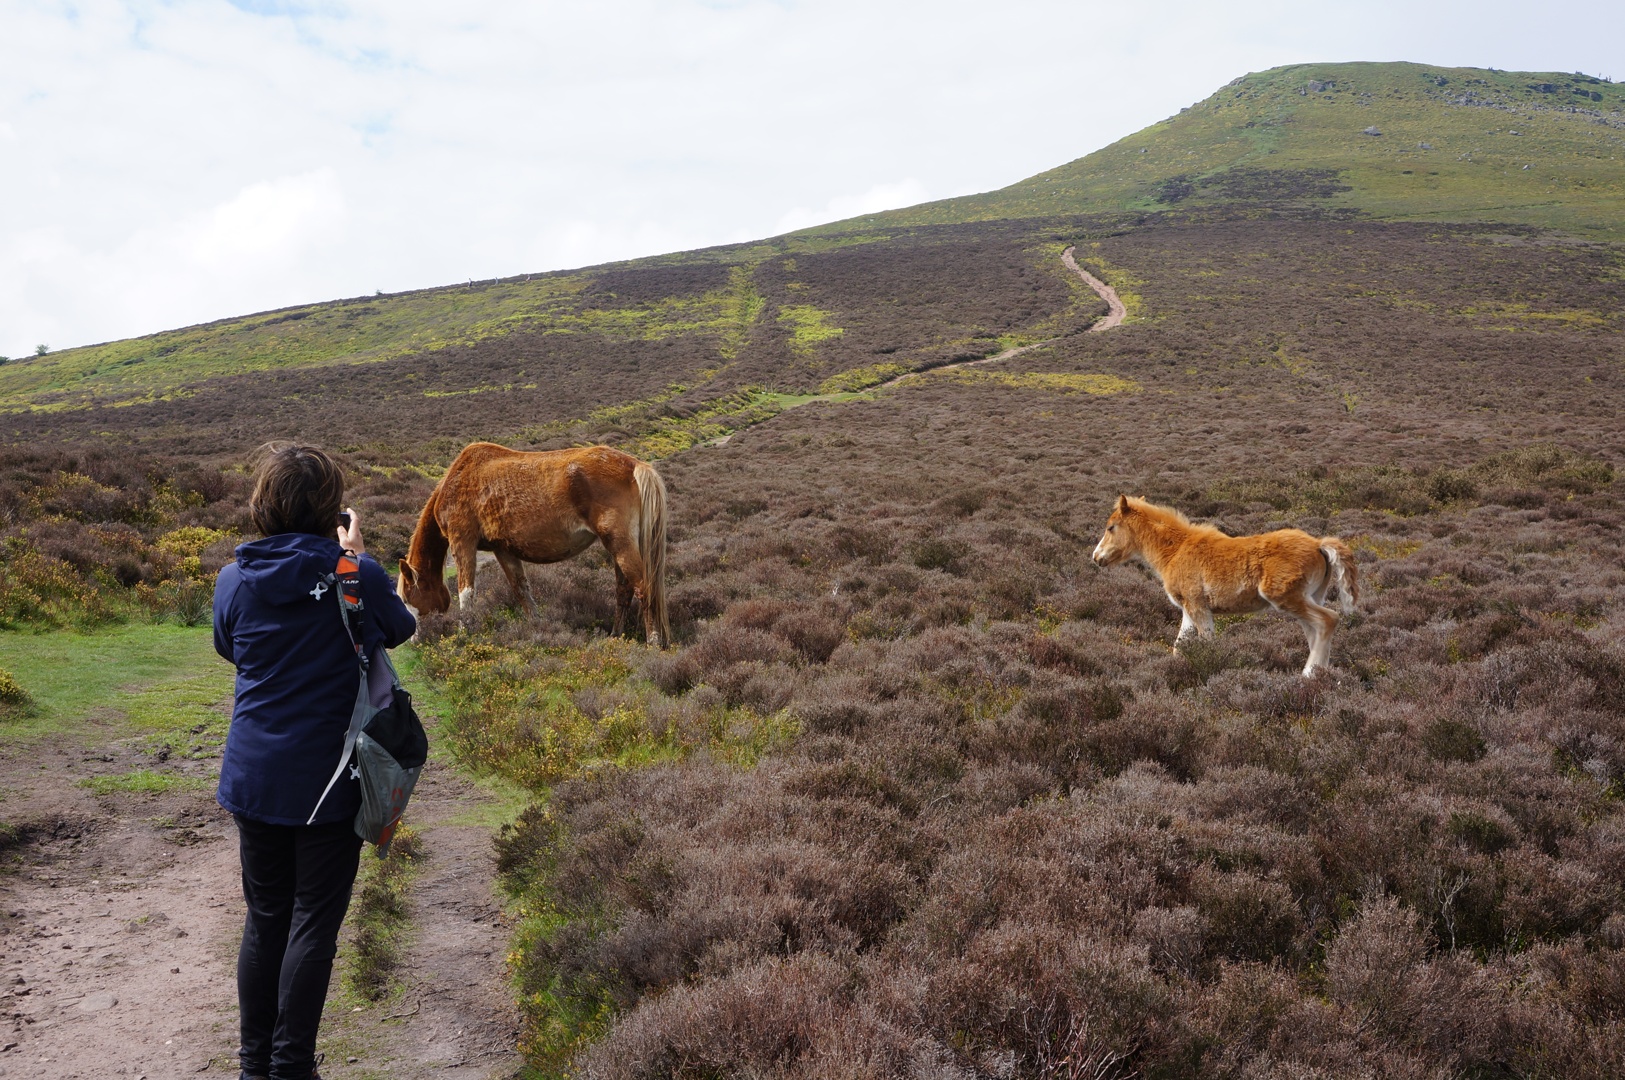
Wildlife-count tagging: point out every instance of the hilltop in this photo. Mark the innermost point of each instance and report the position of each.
(1394, 141)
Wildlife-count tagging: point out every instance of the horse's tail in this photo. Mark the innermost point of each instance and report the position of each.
(1345, 574)
(651, 540)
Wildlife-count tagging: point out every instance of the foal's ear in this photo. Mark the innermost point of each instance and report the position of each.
(1122, 504)
(406, 573)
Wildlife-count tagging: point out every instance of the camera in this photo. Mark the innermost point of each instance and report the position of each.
(344, 520)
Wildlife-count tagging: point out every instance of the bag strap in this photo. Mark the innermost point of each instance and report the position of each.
(346, 579)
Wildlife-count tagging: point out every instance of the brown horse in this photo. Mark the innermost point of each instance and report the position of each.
(1206, 572)
(543, 507)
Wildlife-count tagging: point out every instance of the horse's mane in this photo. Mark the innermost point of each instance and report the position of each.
(428, 543)
(1167, 515)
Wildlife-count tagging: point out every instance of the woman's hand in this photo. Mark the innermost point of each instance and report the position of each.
(350, 535)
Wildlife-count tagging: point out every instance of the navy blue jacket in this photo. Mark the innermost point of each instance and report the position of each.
(276, 618)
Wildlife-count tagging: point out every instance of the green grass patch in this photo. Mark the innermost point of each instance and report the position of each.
(503, 799)
(1054, 382)
(536, 716)
(157, 680)
(808, 326)
(861, 378)
(144, 782)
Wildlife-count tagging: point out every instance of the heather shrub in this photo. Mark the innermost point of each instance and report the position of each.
(14, 700)
(82, 534)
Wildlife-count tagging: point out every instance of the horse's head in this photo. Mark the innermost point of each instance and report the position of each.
(425, 593)
(1118, 542)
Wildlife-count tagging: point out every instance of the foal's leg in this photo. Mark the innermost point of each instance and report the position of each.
(1194, 621)
(1318, 624)
(1187, 628)
(514, 570)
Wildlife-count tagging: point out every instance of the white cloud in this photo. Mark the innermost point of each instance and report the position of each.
(177, 160)
(271, 220)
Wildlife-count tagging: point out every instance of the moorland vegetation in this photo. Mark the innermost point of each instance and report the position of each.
(922, 791)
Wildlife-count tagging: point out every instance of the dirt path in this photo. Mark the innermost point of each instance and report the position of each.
(1116, 313)
(455, 1017)
(120, 914)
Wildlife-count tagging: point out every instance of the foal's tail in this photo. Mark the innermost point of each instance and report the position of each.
(651, 541)
(1345, 575)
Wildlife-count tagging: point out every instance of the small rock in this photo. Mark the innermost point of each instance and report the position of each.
(97, 1002)
(351, 1060)
(1372, 130)
(1424, 146)
(174, 971)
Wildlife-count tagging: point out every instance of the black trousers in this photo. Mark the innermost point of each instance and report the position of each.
(297, 882)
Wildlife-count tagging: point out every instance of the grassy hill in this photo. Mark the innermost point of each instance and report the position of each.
(1455, 144)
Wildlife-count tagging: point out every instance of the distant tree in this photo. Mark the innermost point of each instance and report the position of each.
(41, 350)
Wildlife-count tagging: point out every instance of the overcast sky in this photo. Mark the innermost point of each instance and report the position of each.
(167, 163)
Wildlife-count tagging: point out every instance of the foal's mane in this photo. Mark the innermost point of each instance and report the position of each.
(1168, 516)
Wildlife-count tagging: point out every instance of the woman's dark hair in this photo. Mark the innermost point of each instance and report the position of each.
(297, 489)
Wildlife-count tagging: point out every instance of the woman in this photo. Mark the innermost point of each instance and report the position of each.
(277, 619)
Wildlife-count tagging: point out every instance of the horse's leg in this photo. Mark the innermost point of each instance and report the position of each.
(623, 589)
(464, 550)
(630, 584)
(624, 600)
(514, 570)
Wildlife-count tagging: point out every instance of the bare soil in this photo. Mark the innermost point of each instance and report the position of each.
(120, 916)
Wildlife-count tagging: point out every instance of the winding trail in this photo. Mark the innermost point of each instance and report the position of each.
(1113, 318)
(1118, 312)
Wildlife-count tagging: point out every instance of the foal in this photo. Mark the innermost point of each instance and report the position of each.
(1205, 572)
